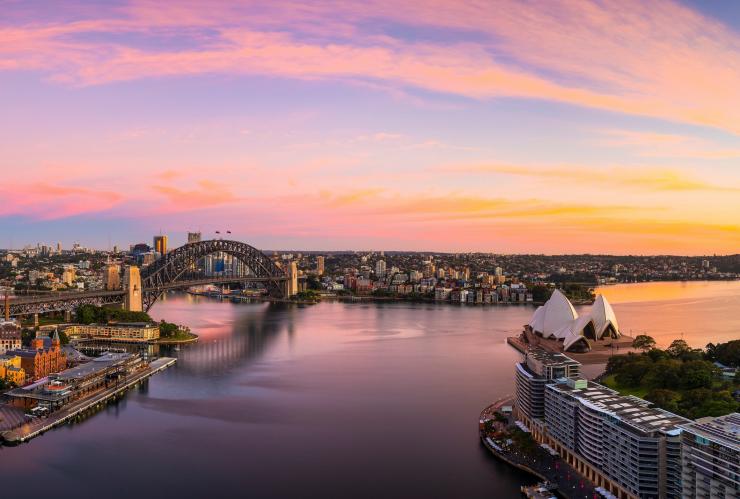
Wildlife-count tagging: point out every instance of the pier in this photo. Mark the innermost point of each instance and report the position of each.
(35, 427)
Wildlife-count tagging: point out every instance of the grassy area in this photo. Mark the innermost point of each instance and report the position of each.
(182, 336)
(637, 391)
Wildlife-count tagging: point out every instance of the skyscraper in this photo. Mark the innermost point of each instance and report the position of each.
(380, 268)
(320, 265)
(160, 244)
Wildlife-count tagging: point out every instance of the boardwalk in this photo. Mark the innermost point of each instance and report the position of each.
(34, 427)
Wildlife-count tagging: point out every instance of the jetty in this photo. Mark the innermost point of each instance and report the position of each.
(36, 426)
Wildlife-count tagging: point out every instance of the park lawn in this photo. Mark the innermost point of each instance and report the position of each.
(637, 391)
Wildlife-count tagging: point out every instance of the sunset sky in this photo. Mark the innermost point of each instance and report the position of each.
(448, 125)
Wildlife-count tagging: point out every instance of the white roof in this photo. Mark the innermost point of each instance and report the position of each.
(573, 331)
(555, 314)
(603, 315)
(538, 318)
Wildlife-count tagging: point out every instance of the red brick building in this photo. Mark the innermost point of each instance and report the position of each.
(40, 360)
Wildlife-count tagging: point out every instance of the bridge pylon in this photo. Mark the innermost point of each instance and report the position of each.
(132, 301)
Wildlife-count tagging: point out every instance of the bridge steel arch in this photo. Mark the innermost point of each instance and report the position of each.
(175, 266)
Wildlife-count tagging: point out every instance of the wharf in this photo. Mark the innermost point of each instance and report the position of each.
(38, 426)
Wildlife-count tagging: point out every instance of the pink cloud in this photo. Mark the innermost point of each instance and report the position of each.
(46, 201)
(648, 59)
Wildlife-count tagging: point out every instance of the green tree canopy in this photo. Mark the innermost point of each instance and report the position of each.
(643, 342)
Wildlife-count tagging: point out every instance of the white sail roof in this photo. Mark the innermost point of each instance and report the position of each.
(553, 315)
(603, 315)
(537, 319)
(574, 327)
(573, 338)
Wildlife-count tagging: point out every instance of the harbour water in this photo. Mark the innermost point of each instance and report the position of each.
(330, 400)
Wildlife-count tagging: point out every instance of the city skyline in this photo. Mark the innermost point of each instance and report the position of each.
(327, 126)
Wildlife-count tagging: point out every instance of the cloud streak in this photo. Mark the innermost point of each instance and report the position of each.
(644, 59)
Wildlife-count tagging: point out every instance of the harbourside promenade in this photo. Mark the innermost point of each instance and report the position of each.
(37, 426)
(538, 461)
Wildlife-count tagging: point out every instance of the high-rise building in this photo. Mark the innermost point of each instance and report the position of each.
(194, 237)
(160, 244)
(710, 449)
(320, 265)
(380, 268)
(540, 367)
(112, 277)
(619, 442)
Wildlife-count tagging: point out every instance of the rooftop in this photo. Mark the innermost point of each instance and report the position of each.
(630, 410)
(95, 365)
(724, 430)
(549, 358)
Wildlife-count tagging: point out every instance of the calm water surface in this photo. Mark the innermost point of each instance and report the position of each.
(332, 400)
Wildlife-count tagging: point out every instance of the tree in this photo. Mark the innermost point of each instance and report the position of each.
(678, 348)
(697, 374)
(665, 373)
(540, 293)
(726, 353)
(643, 342)
(168, 329)
(632, 372)
(665, 399)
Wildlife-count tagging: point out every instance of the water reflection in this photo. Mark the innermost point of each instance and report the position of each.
(251, 334)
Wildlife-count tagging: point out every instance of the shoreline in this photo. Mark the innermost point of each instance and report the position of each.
(38, 426)
(175, 341)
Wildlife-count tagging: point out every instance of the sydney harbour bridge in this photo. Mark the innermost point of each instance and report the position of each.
(177, 269)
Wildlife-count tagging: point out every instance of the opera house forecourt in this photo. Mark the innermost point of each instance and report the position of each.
(558, 320)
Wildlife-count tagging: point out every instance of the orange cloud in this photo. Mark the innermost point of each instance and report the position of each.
(648, 178)
(207, 194)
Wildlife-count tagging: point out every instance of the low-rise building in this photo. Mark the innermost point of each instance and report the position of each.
(11, 370)
(10, 336)
(57, 390)
(120, 331)
(40, 359)
(711, 457)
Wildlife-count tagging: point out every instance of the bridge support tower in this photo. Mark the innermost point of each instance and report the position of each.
(132, 284)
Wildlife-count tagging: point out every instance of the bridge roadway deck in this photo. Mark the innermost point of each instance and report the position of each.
(35, 427)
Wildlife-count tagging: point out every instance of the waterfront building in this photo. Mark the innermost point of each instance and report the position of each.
(539, 368)
(10, 336)
(557, 319)
(39, 359)
(711, 457)
(120, 331)
(620, 443)
(63, 387)
(160, 244)
(11, 370)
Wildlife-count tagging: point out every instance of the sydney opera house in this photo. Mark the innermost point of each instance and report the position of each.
(557, 319)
